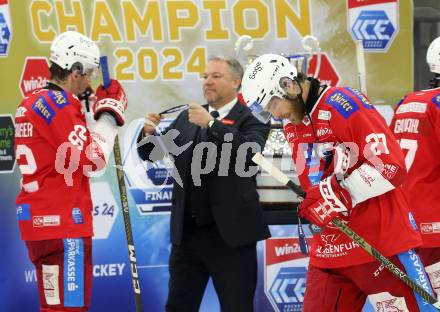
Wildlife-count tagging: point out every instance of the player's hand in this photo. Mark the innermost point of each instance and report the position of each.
(198, 115)
(325, 201)
(112, 100)
(150, 123)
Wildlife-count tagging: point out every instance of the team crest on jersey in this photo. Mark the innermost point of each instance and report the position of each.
(42, 108)
(59, 98)
(436, 100)
(361, 97)
(343, 104)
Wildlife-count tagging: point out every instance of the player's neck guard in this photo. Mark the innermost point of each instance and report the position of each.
(53, 86)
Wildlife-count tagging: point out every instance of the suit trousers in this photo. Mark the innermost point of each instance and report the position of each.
(203, 254)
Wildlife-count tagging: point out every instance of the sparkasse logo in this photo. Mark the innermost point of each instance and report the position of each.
(35, 75)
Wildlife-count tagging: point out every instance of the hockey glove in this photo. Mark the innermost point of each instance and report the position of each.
(112, 100)
(325, 201)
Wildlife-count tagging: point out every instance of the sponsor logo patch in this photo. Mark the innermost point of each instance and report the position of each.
(323, 130)
(430, 228)
(59, 98)
(23, 212)
(77, 216)
(73, 272)
(343, 104)
(411, 107)
(361, 97)
(387, 170)
(324, 115)
(42, 108)
(290, 133)
(42, 221)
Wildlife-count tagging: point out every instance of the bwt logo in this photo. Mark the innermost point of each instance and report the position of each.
(288, 288)
(374, 28)
(5, 35)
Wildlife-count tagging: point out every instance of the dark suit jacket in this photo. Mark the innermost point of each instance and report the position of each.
(233, 200)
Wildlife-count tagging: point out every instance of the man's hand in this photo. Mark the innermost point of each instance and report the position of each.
(150, 123)
(325, 201)
(199, 115)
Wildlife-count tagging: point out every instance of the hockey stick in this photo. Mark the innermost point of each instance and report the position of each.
(124, 201)
(360, 59)
(281, 177)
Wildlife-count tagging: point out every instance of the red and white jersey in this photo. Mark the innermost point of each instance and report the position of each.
(54, 155)
(373, 166)
(416, 125)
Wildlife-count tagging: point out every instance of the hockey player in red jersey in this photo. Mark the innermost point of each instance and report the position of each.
(56, 152)
(351, 167)
(416, 126)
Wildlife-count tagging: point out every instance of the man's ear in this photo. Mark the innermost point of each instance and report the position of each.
(76, 73)
(237, 83)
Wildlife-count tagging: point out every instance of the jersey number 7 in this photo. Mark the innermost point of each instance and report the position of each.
(411, 147)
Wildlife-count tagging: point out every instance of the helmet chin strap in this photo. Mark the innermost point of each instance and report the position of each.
(312, 97)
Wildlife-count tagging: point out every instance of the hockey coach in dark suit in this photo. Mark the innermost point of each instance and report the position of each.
(216, 216)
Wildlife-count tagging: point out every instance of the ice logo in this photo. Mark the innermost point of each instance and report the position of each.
(5, 35)
(374, 28)
(288, 288)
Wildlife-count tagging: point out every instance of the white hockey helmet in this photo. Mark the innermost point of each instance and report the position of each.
(72, 49)
(433, 56)
(261, 82)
